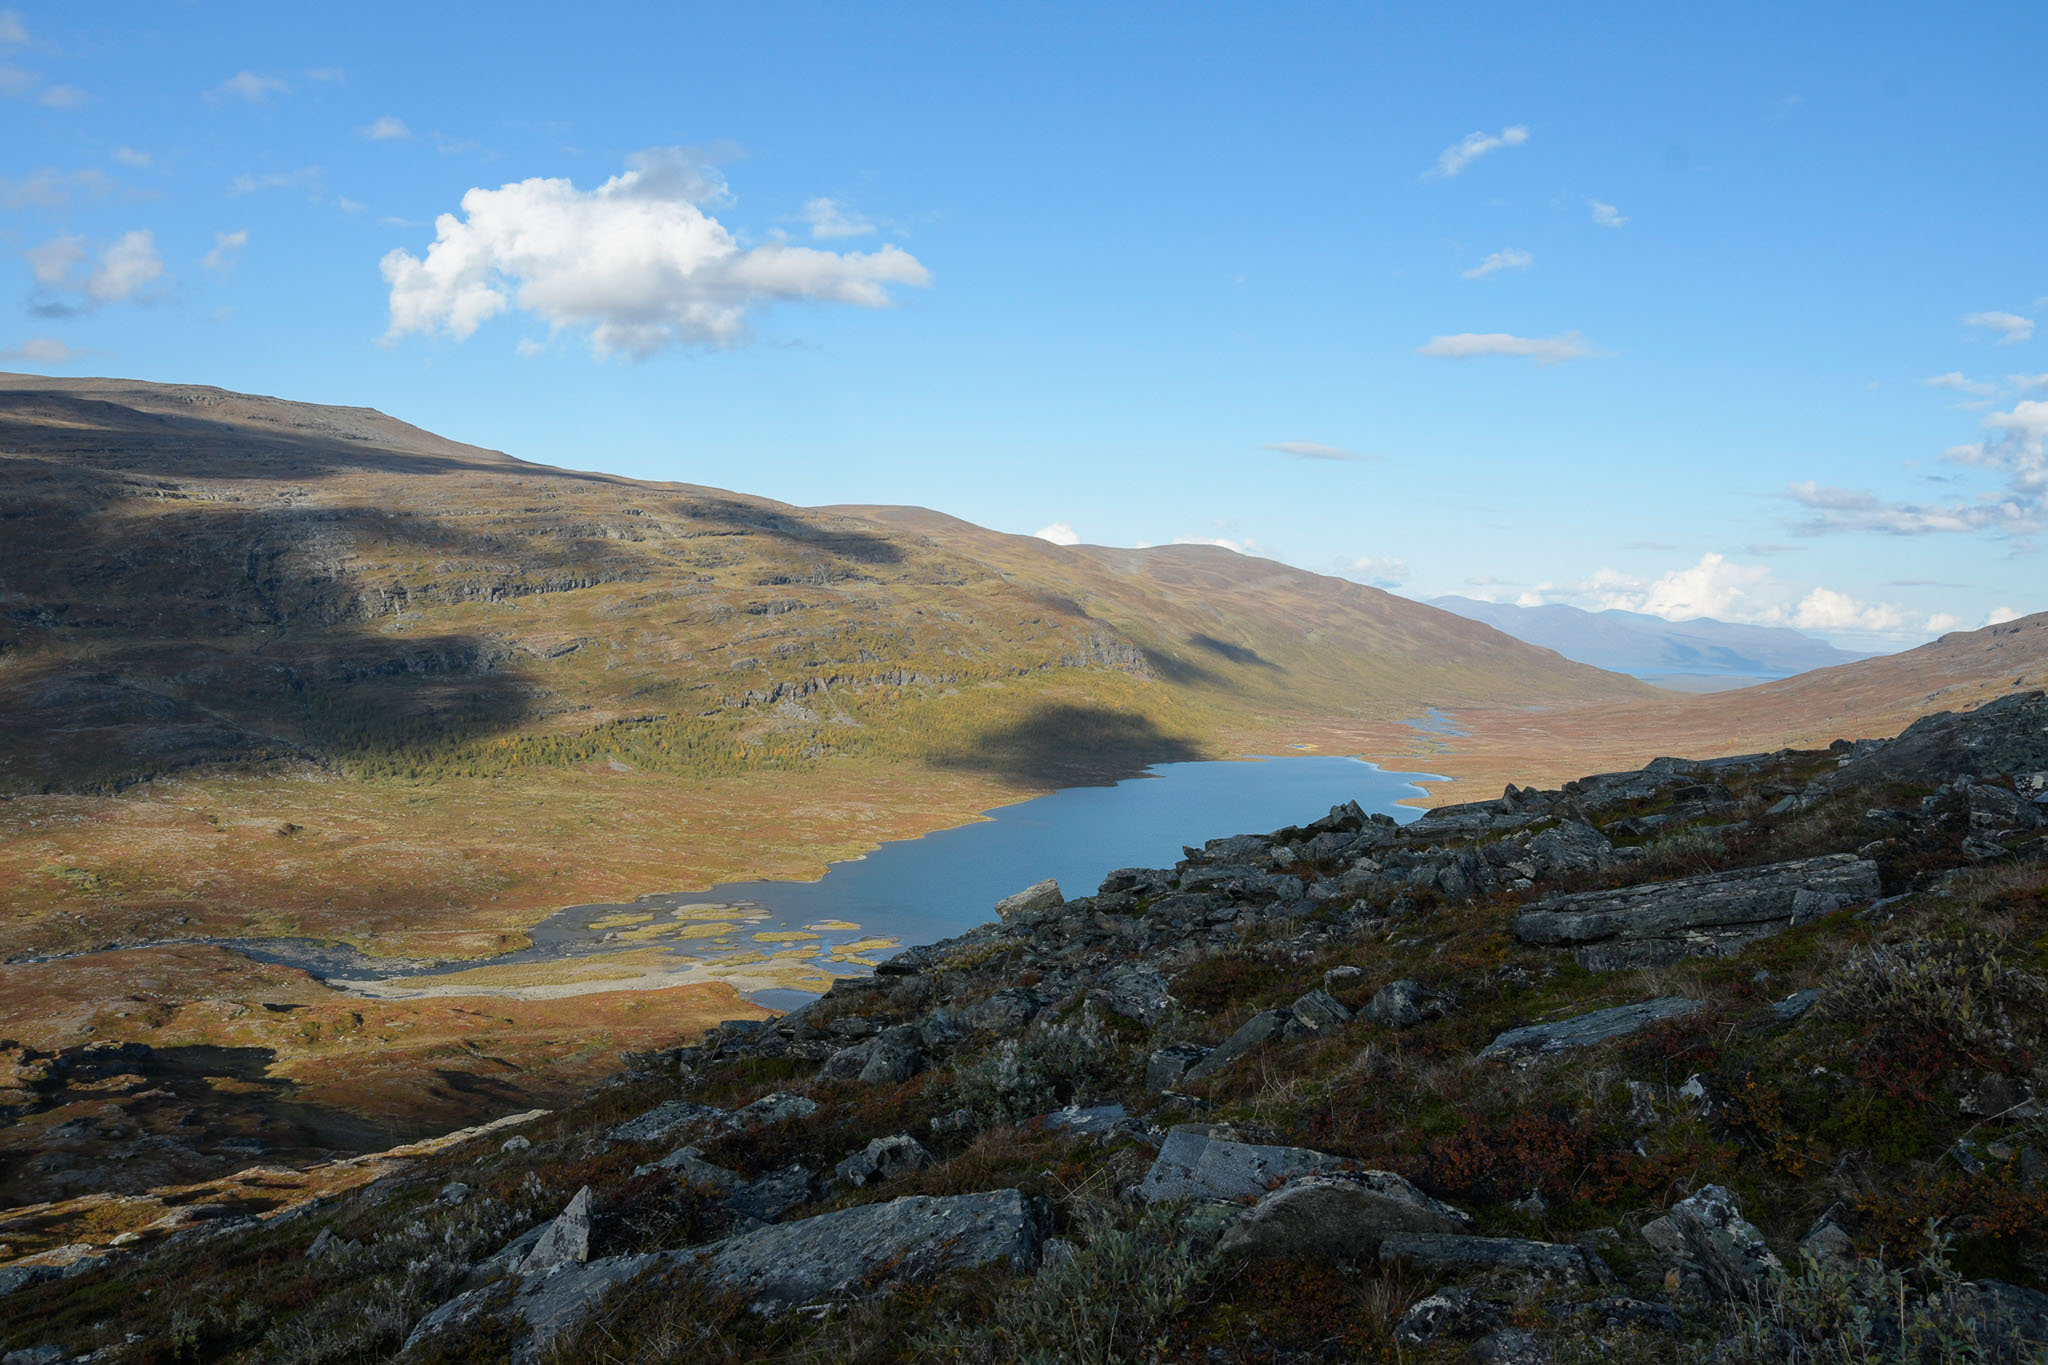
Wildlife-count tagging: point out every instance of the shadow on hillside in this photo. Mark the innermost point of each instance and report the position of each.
(842, 540)
(1237, 654)
(1069, 746)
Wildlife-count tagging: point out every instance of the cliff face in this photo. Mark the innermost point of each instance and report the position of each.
(1675, 1060)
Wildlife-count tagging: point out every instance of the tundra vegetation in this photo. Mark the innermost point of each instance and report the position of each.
(1732, 1060)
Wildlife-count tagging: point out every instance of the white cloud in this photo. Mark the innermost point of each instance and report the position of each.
(528, 348)
(1998, 616)
(1378, 571)
(1542, 350)
(2011, 327)
(64, 97)
(348, 205)
(1511, 259)
(2017, 450)
(1955, 380)
(129, 156)
(1606, 215)
(252, 87)
(306, 177)
(1725, 590)
(636, 262)
(43, 351)
(1941, 623)
(1247, 546)
(2024, 382)
(124, 268)
(1472, 146)
(53, 190)
(227, 249)
(1311, 450)
(1059, 533)
(830, 218)
(12, 31)
(385, 129)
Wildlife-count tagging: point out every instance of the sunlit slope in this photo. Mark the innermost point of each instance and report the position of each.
(193, 578)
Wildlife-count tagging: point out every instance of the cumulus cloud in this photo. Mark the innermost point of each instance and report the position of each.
(1311, 450)
(1941, 622)
(1472, 146)
(1059, 533)
(43, 351)
(636, 263)
(1511, 259)
(1242, 547)
(830, 218)
(1378, 571)
(227, 249)
(2016, 451)
(119, 272)
(386, 129)
(2010, 327)
(1956, 381)
(1542, 350)
(248, 85)
(1998, 616)
(1718, 587)
(1606, 215)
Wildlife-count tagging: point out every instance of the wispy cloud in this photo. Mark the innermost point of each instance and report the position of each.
(304, 178)
(1468, 149)
(2016, 449)
(1542, 350)
(74, 277)
(227, 249)
(830, 218)
(388, 128)
(131, 157)
(1311, 450)
(1379, 571)
(1957, 382)
(1606, 215)
(13, 33)
(1059, 533)
(53, 190)
(64, 97)
(250, 86)
(49, 351)
(2010, 328)
(1511, 259)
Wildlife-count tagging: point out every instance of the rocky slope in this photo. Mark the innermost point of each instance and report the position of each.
(1731, 1059)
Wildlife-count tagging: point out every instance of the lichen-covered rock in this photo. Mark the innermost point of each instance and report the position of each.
(772, 1196)
(2002, 737)
(1264, 1027)
(1170, 1065)
(1716, 914)
(1405, 1003)
(1447, 1314)
(1193, 1164)
(1441, 1252)
(671, 1118)
(1319, 1012)
(1043, 895)
(1586, 1029)
(1341, 1216)
(1731, 1254)
(883, 1159)
(566, 1240)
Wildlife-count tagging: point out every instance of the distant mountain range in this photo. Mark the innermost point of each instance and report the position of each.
(1650, 646)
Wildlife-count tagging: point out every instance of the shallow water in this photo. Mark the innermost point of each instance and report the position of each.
(770, 936)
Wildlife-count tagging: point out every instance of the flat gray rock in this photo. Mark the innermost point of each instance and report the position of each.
(566, 1240)
(1716, 914)
(670, 1118)
(1264, 1027)
(1343, 1216)
(1043, 895)
(544, 1306)
(863, 1250)
(1193, 1165)
(1586, 1029)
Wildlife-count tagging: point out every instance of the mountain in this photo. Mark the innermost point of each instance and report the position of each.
(1650, 646)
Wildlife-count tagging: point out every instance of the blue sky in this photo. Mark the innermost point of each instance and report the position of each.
(1728, 312)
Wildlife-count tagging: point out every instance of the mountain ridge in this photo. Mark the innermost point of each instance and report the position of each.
(1641, 644)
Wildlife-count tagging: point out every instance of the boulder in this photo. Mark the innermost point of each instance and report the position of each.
(1447, 1314)
(1004, 1015)
(1194, 1164)
(883, 1159)
(1043, 895)
(566, 1240)
(1404, 1004)
(1716, 914)
(672, 1117)
(873, 1247)
(779, 1107)
(688, 1165)
(1136, 991)
(1586, 1029)
(1571, 846)
(1262, 1028)
(894, 1056)
(2011, 1321)
(1730, 1253)
(2005, 736)
(1440, 1252)
(1341, 1216)
(1169, 1065)
(1319, 1012)
(543, 1307)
